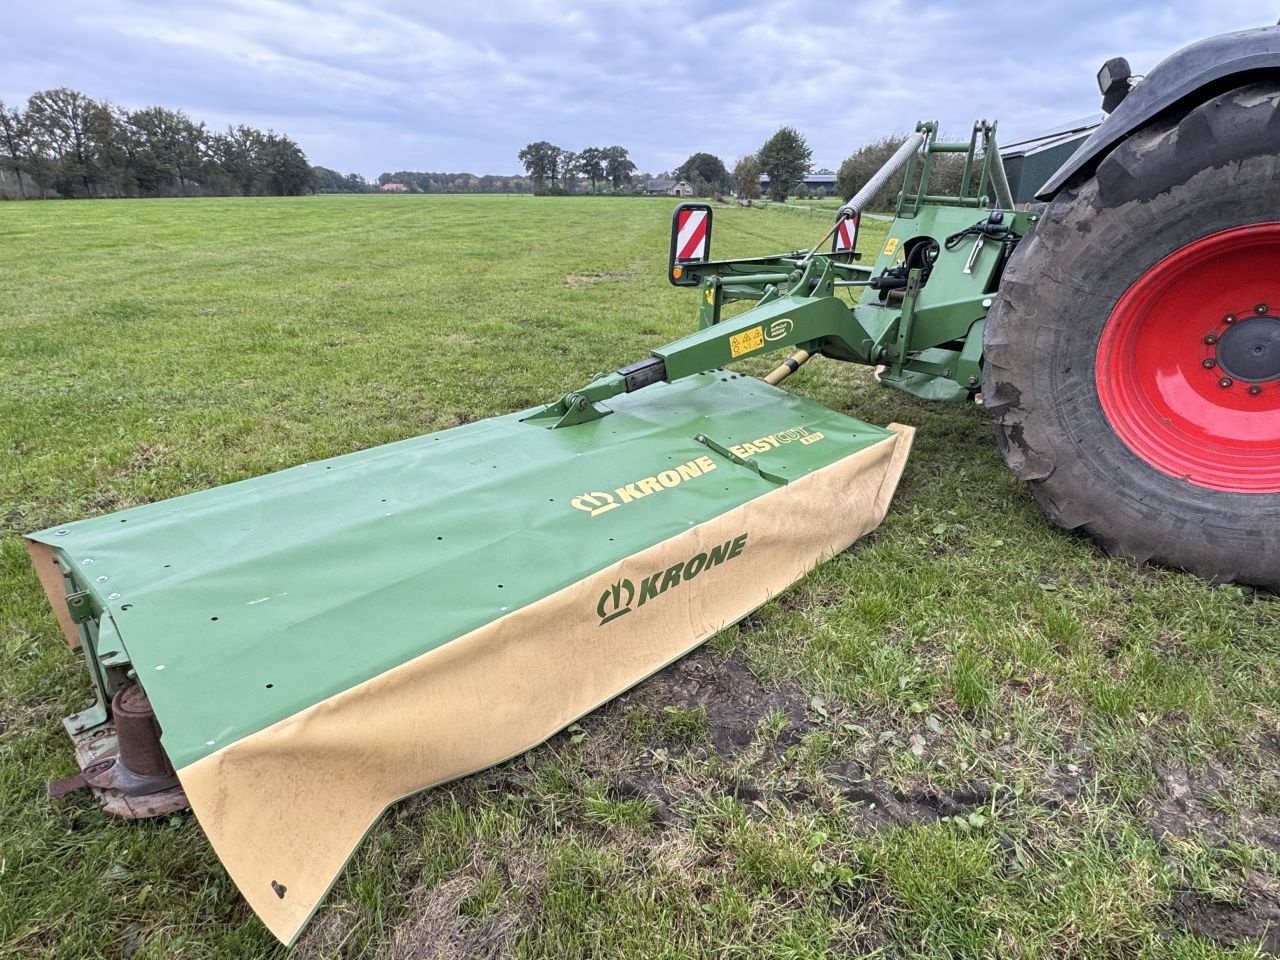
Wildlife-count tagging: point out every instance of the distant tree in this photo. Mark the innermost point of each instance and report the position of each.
(618, 167)
(244, 159)
(556, 154)
(784, 158)
(171, 141)
(283, 170)
(540, 161)
(325, 180)
(746, 177)
(706, 172)
(591, 165)
(128, 169)
(568, 161)
(68, 126)
(14, 136)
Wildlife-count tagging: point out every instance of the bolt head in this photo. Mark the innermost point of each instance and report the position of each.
(1209, 363)
(1211, 338)
(1229, 318)
(1260, 309)
(1255, 390)
(1225, 382)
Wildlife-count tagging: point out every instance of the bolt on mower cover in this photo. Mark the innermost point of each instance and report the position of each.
(320, 642)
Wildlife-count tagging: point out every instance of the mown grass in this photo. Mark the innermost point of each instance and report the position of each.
(972, 735)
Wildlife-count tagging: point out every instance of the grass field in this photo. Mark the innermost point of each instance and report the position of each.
(970, 736)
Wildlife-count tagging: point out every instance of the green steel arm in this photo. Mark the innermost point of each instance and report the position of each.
(774, 324)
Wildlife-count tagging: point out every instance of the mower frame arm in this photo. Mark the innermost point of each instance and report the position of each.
(778, 322)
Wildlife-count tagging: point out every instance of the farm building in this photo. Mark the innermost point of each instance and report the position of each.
(827, 181)
(1030, 161)
(671, 188)
(394, 188)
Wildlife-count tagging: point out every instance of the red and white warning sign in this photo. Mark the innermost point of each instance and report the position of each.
(691, 241)
(846, 235)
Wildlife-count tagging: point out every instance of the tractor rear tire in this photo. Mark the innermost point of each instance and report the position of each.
(1132, 357)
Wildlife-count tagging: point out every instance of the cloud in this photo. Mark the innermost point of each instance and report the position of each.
(374, 86)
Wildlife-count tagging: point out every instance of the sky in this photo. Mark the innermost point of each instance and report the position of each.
(370, 86)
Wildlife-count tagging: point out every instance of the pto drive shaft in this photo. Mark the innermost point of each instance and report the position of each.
(788, 367)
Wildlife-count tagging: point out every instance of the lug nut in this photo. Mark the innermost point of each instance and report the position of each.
(1225, 382)
(1260, 308)
(1229, 318)
(1255, 390)
(1209, 363)
(1210, 338)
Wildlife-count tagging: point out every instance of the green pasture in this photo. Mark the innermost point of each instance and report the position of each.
(971, 735)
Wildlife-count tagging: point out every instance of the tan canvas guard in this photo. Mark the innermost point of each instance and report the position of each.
(287, 806)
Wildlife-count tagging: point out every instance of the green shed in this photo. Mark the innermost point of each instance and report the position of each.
(1029, 162)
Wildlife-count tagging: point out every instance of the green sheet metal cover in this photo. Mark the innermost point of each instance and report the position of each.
(242, 605)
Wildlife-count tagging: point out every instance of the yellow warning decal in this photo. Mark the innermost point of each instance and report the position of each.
(890, 246)
(746, 341)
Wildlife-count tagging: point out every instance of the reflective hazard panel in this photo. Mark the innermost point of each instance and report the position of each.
(846, 238)
(690, 242)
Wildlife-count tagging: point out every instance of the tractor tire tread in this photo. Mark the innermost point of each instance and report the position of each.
(1214, 167)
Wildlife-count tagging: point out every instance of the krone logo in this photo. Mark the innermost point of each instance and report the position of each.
(616, 601)
(779, 329)
(595, 503)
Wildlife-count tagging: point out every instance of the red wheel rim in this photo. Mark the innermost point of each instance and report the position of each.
(1188, 365)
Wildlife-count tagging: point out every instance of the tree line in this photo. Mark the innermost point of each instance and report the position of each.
(66, 144)
(785, 158)
(458, 182)
(553, 169)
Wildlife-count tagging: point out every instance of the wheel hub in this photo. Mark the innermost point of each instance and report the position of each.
(1249, 350)
(1188, 364)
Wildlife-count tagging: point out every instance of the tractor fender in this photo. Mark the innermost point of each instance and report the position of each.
(1195, 69)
